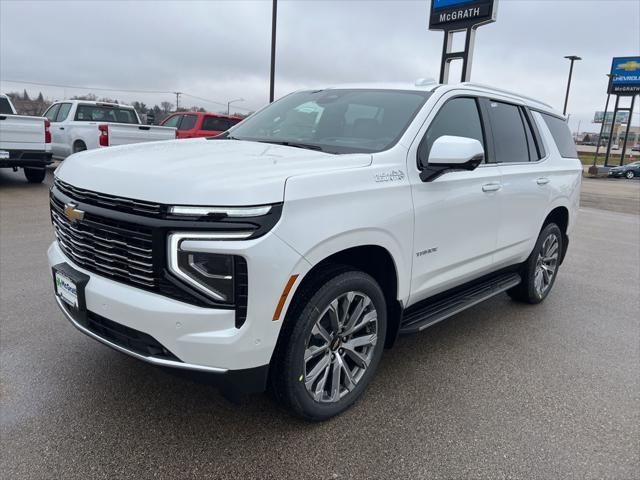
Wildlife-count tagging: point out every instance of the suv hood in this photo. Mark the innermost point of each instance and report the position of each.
(199, 171)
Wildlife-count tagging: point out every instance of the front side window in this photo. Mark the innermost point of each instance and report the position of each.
(104, 113)
(509, 135)
(172, 121)
(52, 112)
(63, 112)
(335, 120)
(458, 117)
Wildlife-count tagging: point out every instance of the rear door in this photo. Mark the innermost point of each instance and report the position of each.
(525, 195)
(456, 215)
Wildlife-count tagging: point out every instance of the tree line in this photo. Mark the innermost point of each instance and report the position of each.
(26, 105)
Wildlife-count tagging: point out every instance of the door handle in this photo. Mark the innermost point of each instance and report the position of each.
(491, 187)
(542, 181)
(61, 128)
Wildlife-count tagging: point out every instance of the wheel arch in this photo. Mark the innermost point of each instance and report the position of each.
(373, 259)
(560, 216)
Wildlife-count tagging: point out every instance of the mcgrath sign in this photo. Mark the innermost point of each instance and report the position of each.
(456, 15)
(625, 78)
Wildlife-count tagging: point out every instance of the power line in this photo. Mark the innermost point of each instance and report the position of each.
(121, 90)
(118, 90)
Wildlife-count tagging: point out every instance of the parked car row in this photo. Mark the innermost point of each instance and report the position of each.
(71, 126)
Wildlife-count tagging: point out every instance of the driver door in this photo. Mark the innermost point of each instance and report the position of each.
(456, 216)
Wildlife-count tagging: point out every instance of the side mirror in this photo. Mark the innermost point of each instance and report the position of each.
(452, 153)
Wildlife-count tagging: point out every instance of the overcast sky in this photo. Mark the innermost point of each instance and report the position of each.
(219, 50)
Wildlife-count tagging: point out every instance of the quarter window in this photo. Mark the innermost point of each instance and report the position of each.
(458, 117)
(509, 135)
(561, 135)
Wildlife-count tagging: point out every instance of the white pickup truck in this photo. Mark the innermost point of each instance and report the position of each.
(78, 125)
(25, 142)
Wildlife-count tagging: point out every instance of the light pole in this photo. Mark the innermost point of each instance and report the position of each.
(274, 16)
(573, 58)
(233, 101)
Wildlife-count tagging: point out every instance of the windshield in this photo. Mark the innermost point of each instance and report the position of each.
(334, 121)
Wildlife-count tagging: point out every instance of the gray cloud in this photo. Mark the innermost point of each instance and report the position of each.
(220, 50)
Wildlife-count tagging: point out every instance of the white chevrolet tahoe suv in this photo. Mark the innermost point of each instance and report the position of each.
(289, 252)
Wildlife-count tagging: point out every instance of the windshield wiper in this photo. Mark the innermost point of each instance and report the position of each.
(306, 146)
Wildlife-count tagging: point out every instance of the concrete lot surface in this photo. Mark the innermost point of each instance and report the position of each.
(500, 391)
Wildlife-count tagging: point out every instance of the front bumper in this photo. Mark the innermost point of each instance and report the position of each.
(202, 339)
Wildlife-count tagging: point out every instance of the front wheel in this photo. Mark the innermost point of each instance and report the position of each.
(630, 174)
(541, 268)
(35, 175)
(331, 344)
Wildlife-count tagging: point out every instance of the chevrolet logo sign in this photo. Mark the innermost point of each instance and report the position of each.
(630, 66)
(72, 213)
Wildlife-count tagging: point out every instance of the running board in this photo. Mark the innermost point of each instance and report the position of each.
(417, 318)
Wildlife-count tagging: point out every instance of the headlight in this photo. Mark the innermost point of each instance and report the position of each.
(211, 273)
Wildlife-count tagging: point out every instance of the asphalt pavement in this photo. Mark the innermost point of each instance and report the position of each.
(502, 390)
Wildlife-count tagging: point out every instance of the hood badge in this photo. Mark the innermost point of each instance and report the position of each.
(72, 213)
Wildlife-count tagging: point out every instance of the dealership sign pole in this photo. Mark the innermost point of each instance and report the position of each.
(625, 82)
(453, 16)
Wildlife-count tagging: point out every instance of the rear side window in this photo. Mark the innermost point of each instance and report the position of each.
(63, 112)
(188, 122)
(101, 113)
(509, 133)
(5, 106)
(561, 135)
(216, 124)
(52, 112)
(458, 117)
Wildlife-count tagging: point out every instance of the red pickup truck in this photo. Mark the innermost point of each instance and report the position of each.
(199, 124)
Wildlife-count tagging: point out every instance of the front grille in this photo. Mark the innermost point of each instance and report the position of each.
(125, 337)
(113, 202)
(118, 239)
(116, 249)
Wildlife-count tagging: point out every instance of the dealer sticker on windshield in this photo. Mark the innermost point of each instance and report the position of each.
(4, 155)
(66, 289)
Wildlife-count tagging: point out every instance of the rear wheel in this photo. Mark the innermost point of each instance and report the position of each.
(540, 270)
(35, 175)
(79, 146)
(331, 344)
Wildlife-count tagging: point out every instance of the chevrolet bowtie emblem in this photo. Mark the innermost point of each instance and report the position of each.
(72, 213)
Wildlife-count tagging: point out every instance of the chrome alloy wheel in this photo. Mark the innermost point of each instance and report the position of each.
(546, 264)
(340, 347)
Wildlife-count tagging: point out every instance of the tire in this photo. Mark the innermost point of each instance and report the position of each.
(35, 175)
(79, 146)
(629, 174)
(534, 291)
(308, 388)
